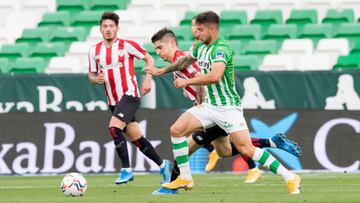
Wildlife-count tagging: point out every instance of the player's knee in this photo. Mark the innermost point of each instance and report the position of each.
(175, 131)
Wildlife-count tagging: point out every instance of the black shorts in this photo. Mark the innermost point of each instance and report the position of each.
(126, 108)
(211, 134)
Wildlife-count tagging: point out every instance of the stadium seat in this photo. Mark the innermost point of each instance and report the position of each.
(185, 45)
(277, 62)
(350, 31)
(261, 47)
(38, 6)
(346, 62)
(245, 33)
(160, 63)
(315, 62)
(182, 33)
(79, 51)
(14, 51)
(17, 24)
(48, 50)
(87, 19)
(250, 6)
(351, 4)
(281, 32)
(355, 47)
(296, 48)
(7, 7)
(316, 32)
(28, 65)
(236, 46)
(230, 18)
(179, 6)
(339, 16)
(210, 5)
(267, 17)
(144, 6)
(302, 17)
(149, 47)
(69, 34)
(242, 62)
(128, 19)
(333, 48)
(4, 65)
(286, 6)
(95, 35)
(108, 5)
(139, 34)
(57, 19)
(7, 36)
(63, 65)
(36, 35)
(139, 64)
(73, 6)
(322, 6)
(157, 20)
(188, 18)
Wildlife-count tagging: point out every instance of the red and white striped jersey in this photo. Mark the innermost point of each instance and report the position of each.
(187, 73)
(117, 64)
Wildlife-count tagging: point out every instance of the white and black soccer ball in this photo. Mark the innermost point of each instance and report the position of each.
(73, 184)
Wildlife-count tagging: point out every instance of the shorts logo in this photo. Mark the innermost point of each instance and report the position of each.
(228, 125)
(121, 115)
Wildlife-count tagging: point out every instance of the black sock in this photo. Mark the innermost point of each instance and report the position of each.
(148, 150)
(175, 172)
(234, 151)
(250, 162)
(260, 142)
(209, 147)
(120, 146)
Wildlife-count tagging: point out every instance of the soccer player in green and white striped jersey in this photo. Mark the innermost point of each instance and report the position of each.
(222, 105)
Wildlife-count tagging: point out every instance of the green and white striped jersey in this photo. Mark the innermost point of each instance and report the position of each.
(224, 92)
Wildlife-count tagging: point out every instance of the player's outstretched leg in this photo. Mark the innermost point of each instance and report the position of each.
(175, 172)
(282, 142)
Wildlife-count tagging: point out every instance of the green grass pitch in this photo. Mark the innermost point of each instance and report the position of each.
(214, 187)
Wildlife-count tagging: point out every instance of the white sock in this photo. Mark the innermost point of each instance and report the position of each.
(181, 153)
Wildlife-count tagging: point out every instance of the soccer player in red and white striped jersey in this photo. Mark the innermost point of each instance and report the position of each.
(111, 63)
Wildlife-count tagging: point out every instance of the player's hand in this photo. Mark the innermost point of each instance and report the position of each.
(146, 86)
(100, 79)
(154, 71)
(180, 82)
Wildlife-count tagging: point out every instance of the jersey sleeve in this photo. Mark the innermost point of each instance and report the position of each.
(135, 49)
(93, 68)
(222, 53)
(194, 49)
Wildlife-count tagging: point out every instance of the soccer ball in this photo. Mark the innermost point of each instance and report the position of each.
(73, 184)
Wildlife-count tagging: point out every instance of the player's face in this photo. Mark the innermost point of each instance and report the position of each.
(108, 29)
(163, 49)
(194, 29)
(204, 33)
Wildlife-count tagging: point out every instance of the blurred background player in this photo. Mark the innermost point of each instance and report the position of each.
(166, 46)
(111, 64)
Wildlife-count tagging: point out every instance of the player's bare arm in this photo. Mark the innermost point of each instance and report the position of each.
(214, 76)
(179, 65)
(146, 85)
(200, 90)
(96, 78)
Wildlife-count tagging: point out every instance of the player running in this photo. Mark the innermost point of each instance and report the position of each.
(111, 62)
(166, 47)
(221, 107)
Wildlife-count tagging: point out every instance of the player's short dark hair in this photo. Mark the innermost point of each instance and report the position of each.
(109, 16)
(208, 17)
(163, 33)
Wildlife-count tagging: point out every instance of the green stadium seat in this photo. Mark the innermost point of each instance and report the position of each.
(261, 47)
(348, 62)
(73, 6)
(4, 65)
(139, 64)
(317, 32)
(87, 19)
(230, 18)
(242, 62)
(182, 33)
(355, 47)
(160, 63)
(28, 65)
(149, 47)
(245, 33)
(237, 46)
(14, 51)
(336, 17)
(351, 31)
(49, 50)
(69, 34)
(267, 17)
(185, 45)
(281, 32)
(35, 35)
(60, 18)
(302, 17)
(108, 5)
(188, 17)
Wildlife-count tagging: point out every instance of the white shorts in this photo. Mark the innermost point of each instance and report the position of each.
(229, 118)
